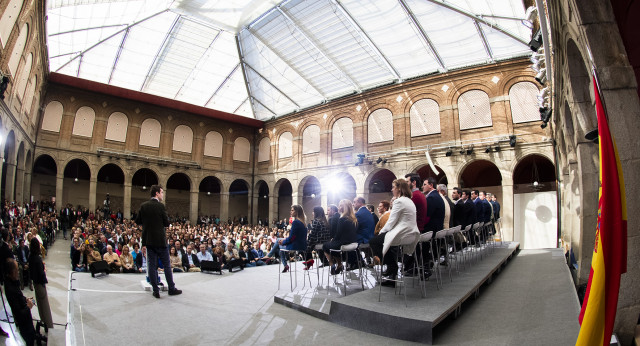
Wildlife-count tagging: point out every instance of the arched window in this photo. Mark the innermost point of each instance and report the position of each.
(425, 117)
(150, 133)
(83, 124)
(117, 127)
(241, 149)
(213, 144)
(28, 96)
(285, 145)
(183, 139)
(474, 110)
(342, 133)
(523, 97)
(264, 150)
(24, 77)
(8, 20)
(311, 139)
(380, 126)
(18, 48)
(52, 116)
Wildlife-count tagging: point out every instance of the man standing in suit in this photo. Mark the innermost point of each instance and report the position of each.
(153, 218)
(458, 208)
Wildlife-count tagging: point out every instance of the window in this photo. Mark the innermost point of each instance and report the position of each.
(23, 78)
(425, 117)
(285, 145)
(183, 139)
(342, 133)
(150, 133)
(241, 149)
(524, 102)
(474, 110)
(311, 139)
(83, 124)
(380, 126)
(213, 144)
(117, 127)
(8, 20)
(264, 150)
(14, 60)
(52, 116)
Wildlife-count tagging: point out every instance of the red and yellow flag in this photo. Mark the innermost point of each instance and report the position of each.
(610, 251)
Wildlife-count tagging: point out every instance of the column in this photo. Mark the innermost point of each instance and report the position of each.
(193, 206)
(59, 185)
(27, 186)
(9, 181)
(126, 212)
(506, 209)
(19, 185)
(254, 210)
(324, 200)
(93, 184)
(296, 198)
(273, 207)
(224, 206)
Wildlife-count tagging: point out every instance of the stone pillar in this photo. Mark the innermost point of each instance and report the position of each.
(193, 205)
(254, 210)
(296, 198)
(126, 212)
(59, 186)
(19, 185)
(27, 186)
(9, 180)
(93, 186)
(273, 207)
(224, 206)
(506, 210)
(324, 200)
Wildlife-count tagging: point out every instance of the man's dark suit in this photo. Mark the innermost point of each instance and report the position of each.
(333, 222)
(365, 226)
(153, 218)
(194, 258)
(457, 214)
(486, 210)
(435, 212)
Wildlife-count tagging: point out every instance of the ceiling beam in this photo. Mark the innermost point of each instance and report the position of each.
(109, 37)
(115, 61)
(367, 39)
(222, 84)
(317, 48)
(246, 80)
(160, 49)
(423, 34)
(86, 29)
(198, 64)
(272, 85)
(487, 47)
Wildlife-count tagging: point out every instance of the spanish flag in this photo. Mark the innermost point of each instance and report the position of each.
(609, 260)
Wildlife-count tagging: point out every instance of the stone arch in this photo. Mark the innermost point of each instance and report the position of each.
(110, 182)
(209, 197)
(52, 118)
(177, 194)
(339, 185)
(261, 190)
(18, 181)
(310, 192)
(378, 185)
(284, 190)
(141, 181)
(43, 179)
(534, 172)
(425, 172)
(84, 122)
(150, 131)
(479, 174)
(9, 167)
(117, 127)
(183, 139)
(213, 143)
(77, 174)
(239, 199)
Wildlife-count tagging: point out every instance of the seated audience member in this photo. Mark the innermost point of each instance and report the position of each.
(79, 261)
(20, 306)
(135, 252)
(232, 258)
(250, 257)
(258, 250)
(400, 227)
(204, 255)
(383, 210)
(93, 255)
(345, 234)
(190, 261)
(112, 260)
(372, 209)
(365, 226)
(218, 253)
(176, 261)
(297, 239)
(22, 256)
(141, 261)
(319, 234)
(126, 259)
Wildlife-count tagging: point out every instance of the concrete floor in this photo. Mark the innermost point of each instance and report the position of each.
(532, 302)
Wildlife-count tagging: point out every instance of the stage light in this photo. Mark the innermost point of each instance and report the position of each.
(488, 150)
(592, 136)
(541, 77)
(531, 14)
(512, 141)
(470, 150)
(497, 148)
(449, 152)
(536, 41)
(379, 160)
(384, 161)
(545, 114)
(462, 151)
(543, 125)
(360, 160)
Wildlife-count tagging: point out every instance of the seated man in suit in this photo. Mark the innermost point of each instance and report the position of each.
(365, 227)
(190, 262)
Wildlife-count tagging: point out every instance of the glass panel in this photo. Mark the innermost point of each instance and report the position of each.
(380, 126)
(425, 118)
(524, 102)
(474, 110)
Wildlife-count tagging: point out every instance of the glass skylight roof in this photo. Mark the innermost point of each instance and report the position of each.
(268, 58)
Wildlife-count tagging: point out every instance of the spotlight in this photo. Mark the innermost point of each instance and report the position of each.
(543, 125)
(360, 159)
(497, 148)
(512, 141)
(384, 161)
(379, 160)
(592, 136)
(462, 151)
(208, 193)
(470, 150)
(545, 114)
(488, 150)
(75, 180)
(531, 13)
(541, 77)
(449, 152)
(536, 41)
(371, 162)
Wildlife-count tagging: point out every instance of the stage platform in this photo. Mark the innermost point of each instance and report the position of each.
(389, 317)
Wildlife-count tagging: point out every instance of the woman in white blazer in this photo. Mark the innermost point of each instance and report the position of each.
(401, 228)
